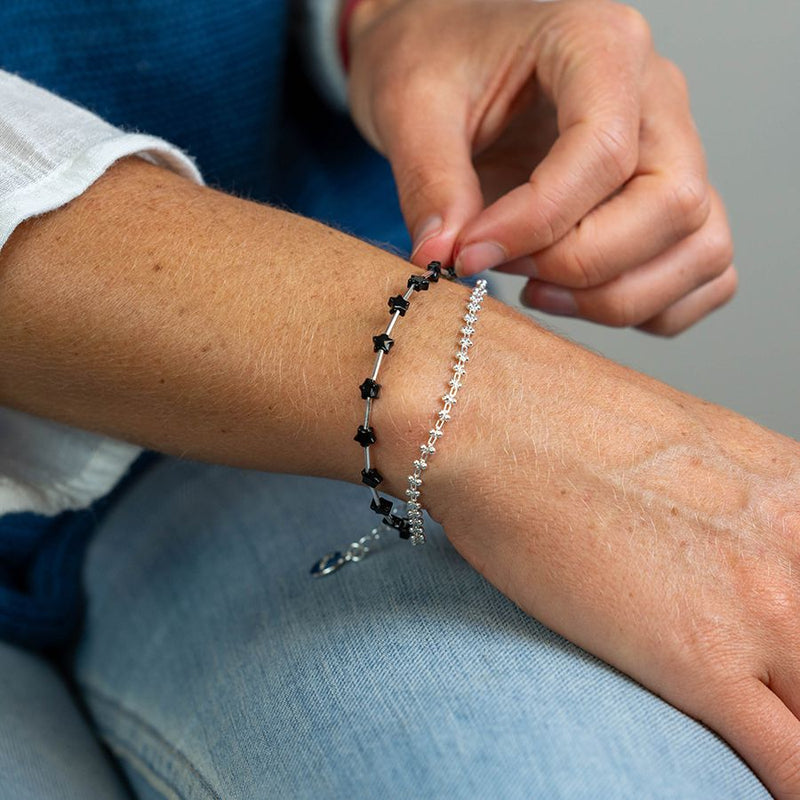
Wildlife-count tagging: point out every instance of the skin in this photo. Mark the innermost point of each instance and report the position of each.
(548, 140)
(654, 529)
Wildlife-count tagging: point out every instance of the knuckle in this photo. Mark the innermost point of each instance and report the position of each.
(632, 24)
(703, 645)
(689, 203)
(786, 770)
(547, 208)
(619, 309)
(581, 270)
(618, 145)
(717, 251)
(674, 74)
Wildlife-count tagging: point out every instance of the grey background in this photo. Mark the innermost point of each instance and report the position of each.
(742, 60)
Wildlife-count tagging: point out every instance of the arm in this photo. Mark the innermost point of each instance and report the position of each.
(655, 530)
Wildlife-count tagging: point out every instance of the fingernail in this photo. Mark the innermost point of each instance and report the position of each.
(426, 230)
(478, 257)
(552, 299)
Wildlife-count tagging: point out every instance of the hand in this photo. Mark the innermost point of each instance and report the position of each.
(658, 531)
(552, 139)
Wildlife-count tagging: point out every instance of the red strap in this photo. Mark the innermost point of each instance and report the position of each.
(348, 8)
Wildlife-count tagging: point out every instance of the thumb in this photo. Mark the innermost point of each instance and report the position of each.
(438, 188)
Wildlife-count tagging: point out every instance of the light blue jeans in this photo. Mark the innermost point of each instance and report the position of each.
(214, 666)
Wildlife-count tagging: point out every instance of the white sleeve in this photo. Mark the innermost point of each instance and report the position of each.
(50, 152)
(318, 28)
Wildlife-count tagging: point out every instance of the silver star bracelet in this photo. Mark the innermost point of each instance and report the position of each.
(410, 526)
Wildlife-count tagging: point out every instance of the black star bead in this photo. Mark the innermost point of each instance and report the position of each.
(382, 507)
(419, 283)
(382, 342)
(370, 389)
(365, 436)
(398, 303)
(371, 477)
(435, 267)
(400, 524)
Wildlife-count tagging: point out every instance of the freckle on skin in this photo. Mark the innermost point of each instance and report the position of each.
(673, 511)
(158, 267)
(205, 348)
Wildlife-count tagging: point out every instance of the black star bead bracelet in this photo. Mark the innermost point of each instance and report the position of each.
(370, 391)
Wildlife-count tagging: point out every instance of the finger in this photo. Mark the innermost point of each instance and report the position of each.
(694, 307)
(596, 92)
(668, 200)
(431, 158)
(644, 291)
(757, 724)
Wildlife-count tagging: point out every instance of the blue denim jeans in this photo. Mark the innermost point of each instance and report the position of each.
(212, 665)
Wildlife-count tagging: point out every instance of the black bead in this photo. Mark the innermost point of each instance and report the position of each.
(382, 342)
(435, 267)
(382, 507)
(400, 524)
(365, 436)
(398, 303)
(451, 272)
(369, 389)
(419, 283)
(371, 477)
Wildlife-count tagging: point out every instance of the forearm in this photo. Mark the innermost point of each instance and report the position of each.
(203, 325)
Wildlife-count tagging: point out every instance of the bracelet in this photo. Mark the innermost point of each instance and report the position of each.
(411, 526)
(414, 508)
(370, 390)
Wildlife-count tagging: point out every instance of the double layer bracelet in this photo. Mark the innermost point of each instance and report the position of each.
(411, 526)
